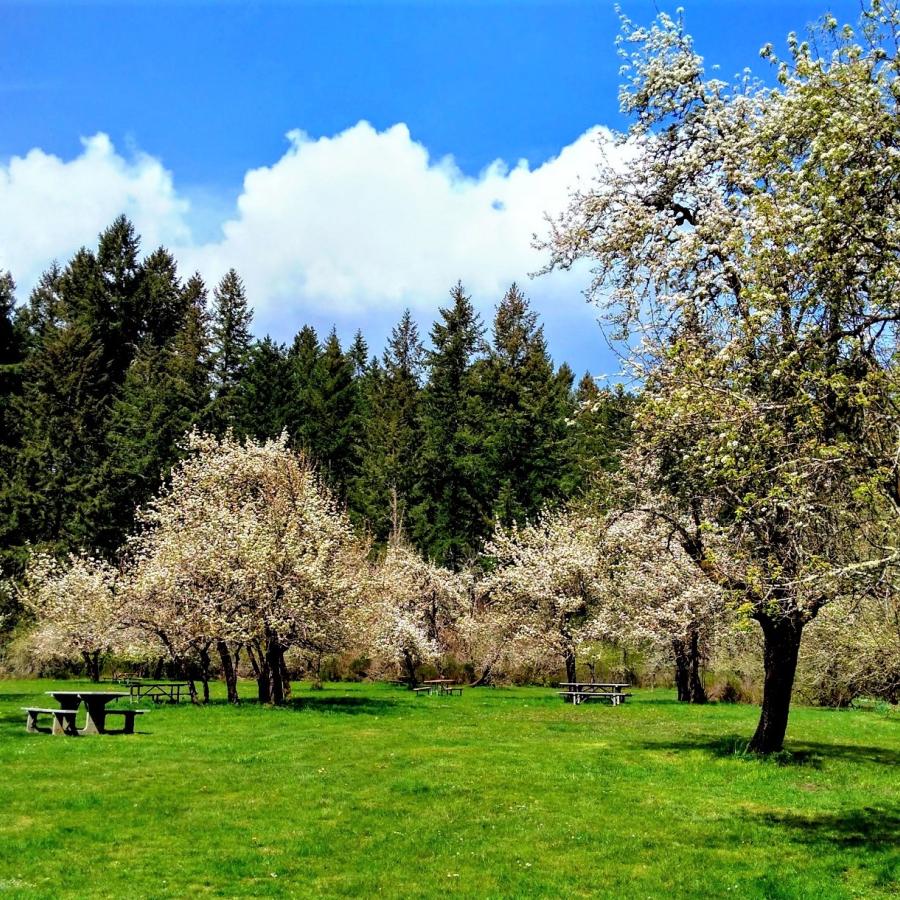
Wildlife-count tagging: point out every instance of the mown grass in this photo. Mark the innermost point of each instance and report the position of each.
(363, 790)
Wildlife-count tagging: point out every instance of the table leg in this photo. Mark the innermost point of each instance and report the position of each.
(95, 723)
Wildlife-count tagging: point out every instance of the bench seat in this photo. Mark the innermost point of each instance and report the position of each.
(63, 720)
(128, 717)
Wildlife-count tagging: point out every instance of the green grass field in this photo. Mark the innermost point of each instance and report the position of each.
(360, 790)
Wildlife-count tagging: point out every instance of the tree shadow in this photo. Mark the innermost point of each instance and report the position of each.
(874, 828)
(347, 705)
(810, 754)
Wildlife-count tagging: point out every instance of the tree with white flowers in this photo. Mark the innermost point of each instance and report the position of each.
(247, 547)
(547, 580)
(747, 243)
(415, 610)
(76, 608)
(659, 600)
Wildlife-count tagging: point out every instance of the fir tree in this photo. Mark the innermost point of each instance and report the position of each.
(453, 513)
(230, 349)
(392, 431)
(527, 405)
(265, 391)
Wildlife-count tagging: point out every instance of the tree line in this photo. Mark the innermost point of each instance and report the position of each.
(115, 357)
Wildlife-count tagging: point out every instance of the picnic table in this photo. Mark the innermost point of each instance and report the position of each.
(608, 691)
(157, 691)
(95, 706)
(445, 686)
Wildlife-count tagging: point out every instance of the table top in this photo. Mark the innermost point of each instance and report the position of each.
(440, 681)
(605, 684)
(144, 683)
(112, 695)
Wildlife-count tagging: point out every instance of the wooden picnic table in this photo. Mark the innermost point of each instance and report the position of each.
(157, 691)
(443, 685)
(94, 704)
(579, 691)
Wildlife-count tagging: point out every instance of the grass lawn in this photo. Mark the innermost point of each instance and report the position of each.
(360, 790)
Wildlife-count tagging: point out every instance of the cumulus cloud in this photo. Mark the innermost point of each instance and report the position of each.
(50, 207)
(355, 225)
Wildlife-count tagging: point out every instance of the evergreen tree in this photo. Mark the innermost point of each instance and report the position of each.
(452, 514)
(600, 431)
(306, 378)
(12, 352)
(164, 393)
(337, 445)
(69, 383)
(231, 342)
(527, 405)
(391, 432)
(265, 391)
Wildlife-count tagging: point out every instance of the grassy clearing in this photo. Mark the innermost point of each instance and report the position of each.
(364, 789)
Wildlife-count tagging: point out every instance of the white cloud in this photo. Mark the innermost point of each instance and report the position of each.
(49, 207)
(356, 225)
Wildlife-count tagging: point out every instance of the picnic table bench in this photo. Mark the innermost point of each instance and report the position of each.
(96, 713)
(63, 720)
(444, 686)
(157, 691)
(581, 691)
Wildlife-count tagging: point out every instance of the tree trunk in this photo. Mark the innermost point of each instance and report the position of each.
(688, 681)
(274, 664)
(260, 672)
(92, 664)
(681, 671)
(228, 671)
(158, 671)
(204, 672)
(484, 678)
(409, 668)
(570, 665)
(285, 677)
(781, 647)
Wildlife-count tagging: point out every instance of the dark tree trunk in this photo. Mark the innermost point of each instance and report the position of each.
(92, 664)
(274, 664)
(483, 679)
(688, 680)
(158, 671)
(409, 669)
(285, 677)
(681, 670)
(204, 672)
(570, 665)
(261, 672)
(781, 647)
(228, 671)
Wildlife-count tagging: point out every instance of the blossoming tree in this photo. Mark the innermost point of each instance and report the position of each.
(76, 607)
(747, 242)
(415, 610)
(247, 548)
(547, 579)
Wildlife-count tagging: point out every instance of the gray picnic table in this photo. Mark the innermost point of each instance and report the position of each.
(157, 691)
(94, 704)
(580, 691)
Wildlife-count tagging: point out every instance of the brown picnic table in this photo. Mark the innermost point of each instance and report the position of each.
(443, 686)
(581, 691)
(157, 691)
(95, 703)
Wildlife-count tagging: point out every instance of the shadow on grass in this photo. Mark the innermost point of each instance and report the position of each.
(874, 828)
(349, 705)
(801, 753)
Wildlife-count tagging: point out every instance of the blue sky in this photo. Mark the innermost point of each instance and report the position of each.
(193, 96)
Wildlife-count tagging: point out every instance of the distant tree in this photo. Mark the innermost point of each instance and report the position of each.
(265, 391)
(527, 405)
(452, 513)
(392, 431)
(231, 340)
